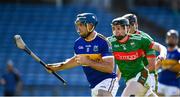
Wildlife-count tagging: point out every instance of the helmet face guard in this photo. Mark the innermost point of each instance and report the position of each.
(173, 33)
(86, 34)
(86, 19)
(85, 24)
(122, 22)
(174, 38)
(80, 20)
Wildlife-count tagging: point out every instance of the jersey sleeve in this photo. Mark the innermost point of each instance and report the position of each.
(75, 49)
(106, 49)
(179, 55)
(150, 53)
(146, 43)
(146, 35)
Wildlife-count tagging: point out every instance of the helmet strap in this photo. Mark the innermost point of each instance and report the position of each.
(88, 33)
(90, 30)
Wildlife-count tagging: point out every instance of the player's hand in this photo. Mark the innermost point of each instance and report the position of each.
(159, 61)
(84, 60)
(52, 67)
(160, 58)
(49, 68)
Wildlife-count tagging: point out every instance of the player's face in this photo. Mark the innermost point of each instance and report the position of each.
(81, 29)
(132, 28)
(119, 30)
(172, 40)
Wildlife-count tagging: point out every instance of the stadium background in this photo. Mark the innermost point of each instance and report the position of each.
(47, 26)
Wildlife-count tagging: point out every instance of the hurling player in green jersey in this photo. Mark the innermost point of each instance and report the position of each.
(150, 54)
(128, 51)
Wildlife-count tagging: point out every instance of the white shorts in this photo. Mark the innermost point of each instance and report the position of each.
(152, 81)
(133, 87)
(147, 83)
(168, 90)
(110, 84)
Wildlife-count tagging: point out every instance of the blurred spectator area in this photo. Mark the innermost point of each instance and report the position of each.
(47, 27)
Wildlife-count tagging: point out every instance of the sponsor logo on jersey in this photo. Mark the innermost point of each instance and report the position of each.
(88, 46)
(80, 47)
(116, 45)
(132, 43)
(128, 55)
(124, 46)
(95, 48)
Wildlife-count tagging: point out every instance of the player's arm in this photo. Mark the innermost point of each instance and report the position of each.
(106, 65)
(175, 68)
(70, 63)
(150, 55)
(151, 63)
(170, 64)
(148, 44)
(163, 52)
(162, 49)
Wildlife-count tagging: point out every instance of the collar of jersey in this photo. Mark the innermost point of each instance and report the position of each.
(124, 40)
(92, 38)
(175, 48)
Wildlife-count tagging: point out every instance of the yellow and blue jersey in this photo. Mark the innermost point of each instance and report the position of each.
(95, 49)
(168, 77)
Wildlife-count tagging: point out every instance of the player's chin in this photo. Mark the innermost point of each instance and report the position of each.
(83, 36)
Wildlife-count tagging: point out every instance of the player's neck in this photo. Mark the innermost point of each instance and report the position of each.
(134, 31)
(92, 36)
(125, 39)
(172, 48)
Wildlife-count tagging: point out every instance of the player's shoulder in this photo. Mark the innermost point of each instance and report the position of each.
(144, 34)
(135, 37)
(178, 50)
(101, 37)
(111, 39)
(78, 39)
